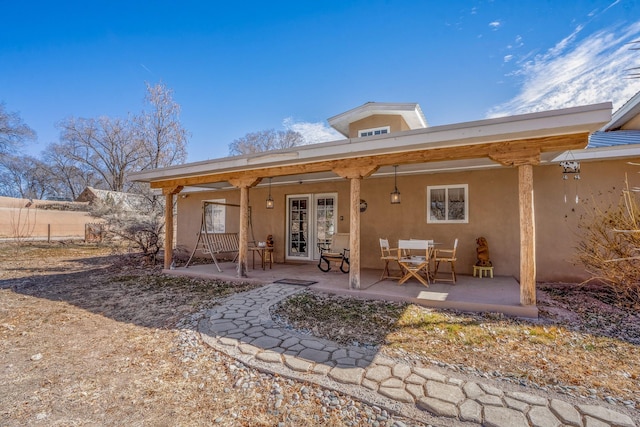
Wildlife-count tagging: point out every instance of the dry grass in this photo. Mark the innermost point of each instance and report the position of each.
(584, 350)
(110, 353)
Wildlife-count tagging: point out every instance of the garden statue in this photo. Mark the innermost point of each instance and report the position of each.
(483, 253)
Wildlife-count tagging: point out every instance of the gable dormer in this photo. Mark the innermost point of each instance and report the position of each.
(378, 118)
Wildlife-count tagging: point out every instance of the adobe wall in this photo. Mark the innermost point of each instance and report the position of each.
(493, 213)
(18, 220)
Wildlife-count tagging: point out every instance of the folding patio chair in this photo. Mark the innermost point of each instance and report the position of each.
(387, 255)
(446, 256)
(413, 265)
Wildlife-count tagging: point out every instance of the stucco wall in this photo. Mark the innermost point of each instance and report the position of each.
(493, 213)
(18, 220)
(396, 124)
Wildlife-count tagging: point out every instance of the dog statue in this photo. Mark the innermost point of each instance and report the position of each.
(483, 252)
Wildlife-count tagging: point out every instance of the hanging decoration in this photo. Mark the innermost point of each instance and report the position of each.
(570, 167)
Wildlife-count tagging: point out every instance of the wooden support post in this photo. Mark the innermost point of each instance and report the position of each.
(168, 223)
(354, 174)
(244, 232)
(527, 235)
(354, 234)
(243, 183)
(168, 230)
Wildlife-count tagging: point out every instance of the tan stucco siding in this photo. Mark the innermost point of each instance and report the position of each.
(557, 231)
(493, 214)
(18, 221)
(632, 124)
(396, 124)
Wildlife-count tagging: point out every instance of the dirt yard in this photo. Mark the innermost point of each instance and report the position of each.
(89, 336)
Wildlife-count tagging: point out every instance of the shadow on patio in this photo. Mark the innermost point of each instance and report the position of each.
(500, 294)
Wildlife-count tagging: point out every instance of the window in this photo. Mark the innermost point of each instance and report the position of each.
(375, 131)
(215, 215)
(447, 204)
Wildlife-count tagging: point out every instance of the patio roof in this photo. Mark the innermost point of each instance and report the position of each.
(473, 142)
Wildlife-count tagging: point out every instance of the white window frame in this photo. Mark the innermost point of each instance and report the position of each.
(218, 226)
(433, 220)
(372, 132)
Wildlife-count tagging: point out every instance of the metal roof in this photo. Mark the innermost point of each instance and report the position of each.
(614, 138)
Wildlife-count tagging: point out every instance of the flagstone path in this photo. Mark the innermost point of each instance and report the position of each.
(242, 327)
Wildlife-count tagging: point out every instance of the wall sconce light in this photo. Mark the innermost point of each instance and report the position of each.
(395, 194)
(270, 199)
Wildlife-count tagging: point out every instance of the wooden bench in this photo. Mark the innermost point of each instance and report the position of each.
(217, 243)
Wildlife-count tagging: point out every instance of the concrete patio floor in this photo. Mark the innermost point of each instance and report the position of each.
(500, 294)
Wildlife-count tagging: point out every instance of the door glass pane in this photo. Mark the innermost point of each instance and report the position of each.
(298, 227)
(325, 218)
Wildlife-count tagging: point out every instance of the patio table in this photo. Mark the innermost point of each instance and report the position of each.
(264, 252)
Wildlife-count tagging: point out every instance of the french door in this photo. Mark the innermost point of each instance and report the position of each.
(311, 218)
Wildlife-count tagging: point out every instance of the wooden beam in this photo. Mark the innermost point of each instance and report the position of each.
(354, 234)
(244, 181)
(527, 236)
(426, 155)
(357, 171)
(168, 223)
(506, 157)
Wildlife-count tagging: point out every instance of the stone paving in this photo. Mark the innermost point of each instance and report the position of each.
(242, 327)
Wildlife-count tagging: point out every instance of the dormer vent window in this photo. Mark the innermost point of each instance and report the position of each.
(374, 131)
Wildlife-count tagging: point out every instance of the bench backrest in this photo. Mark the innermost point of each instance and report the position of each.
(222, 242)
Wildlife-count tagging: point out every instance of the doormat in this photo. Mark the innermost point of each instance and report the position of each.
(295, 282)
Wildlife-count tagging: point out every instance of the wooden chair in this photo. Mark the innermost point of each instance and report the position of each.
(387, 255)
(336, 251)
(413, 265)
(446, 256)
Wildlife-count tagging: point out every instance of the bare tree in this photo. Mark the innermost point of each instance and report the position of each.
(106, 146)
(109, 149)
(163, 139)
(13, 131)
(67, 177)
(266, 140)
(23, 176)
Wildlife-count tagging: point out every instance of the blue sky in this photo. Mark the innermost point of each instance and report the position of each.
(244, 66)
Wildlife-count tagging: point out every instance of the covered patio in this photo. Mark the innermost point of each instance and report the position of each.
(500, 294)
(478, 152)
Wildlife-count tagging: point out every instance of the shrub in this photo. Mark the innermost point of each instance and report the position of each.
(610, 246)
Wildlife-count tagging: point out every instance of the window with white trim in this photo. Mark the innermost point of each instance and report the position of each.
(215, 215)
(448, 204)
(374, 131)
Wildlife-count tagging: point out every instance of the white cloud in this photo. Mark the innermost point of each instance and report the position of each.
(508, 58)
(313, 132)
(576, 72)
(495, 24)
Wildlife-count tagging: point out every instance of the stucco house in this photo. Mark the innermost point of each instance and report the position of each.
(498, 178)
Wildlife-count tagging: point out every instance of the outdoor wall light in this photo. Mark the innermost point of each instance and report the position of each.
(270, 199)
(395, 194)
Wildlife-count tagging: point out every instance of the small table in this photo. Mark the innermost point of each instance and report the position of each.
(482, 270)
(264, 252)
